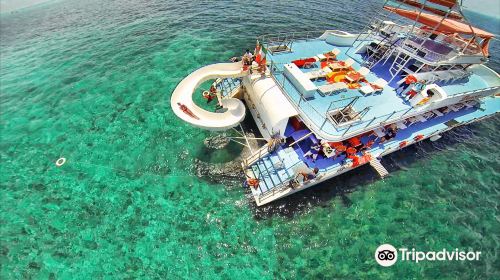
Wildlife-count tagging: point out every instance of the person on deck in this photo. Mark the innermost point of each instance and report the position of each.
(390, 133)
(247, 57)
(313, 152)
(367, 146)
(409, 80)
(308, 175)
(340, 150)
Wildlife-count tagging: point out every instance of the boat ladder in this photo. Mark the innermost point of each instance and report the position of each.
(399, 63)
(375, 163)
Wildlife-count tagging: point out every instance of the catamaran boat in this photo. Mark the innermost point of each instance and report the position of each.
(328, 102)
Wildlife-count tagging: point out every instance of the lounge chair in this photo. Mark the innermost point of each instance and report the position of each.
(363, 71)
(456, 107)
(348, 62)
(470, 104)
(411, 120)
(438, 113)
(420, 118)
(320, 57)
(428, 115)
(316, 74)
(376, 86)
(332, 88)
(379, 132)
(333, 52)
(401, 125)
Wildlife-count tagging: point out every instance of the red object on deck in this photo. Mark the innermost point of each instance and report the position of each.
(444, 25)
(410, 79)
(418, 137)
(301, 62)
(351, 151)
(402, 144)
(334, 145)
(354, 142)
(296, 124)
(411, 93)
(434, 10)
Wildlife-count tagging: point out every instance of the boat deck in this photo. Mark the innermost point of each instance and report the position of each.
(383, 105)
(276, 169)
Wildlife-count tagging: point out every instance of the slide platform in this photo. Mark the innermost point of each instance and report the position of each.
(199, 117)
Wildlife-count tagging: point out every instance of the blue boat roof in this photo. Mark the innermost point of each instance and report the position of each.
(383, 105)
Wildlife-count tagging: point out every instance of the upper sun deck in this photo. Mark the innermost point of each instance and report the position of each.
(384, 106)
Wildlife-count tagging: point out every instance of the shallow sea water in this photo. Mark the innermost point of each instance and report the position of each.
(91, 81)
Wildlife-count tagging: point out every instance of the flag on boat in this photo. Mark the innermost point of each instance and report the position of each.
(258, 53)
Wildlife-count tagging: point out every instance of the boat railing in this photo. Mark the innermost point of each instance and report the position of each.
(321, 121)
(293, 36)
(280, 187)
(264, 150)
(430, 55)
(454, 42)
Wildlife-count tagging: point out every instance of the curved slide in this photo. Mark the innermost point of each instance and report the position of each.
(183, 94)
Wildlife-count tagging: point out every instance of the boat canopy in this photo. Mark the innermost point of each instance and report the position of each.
(446, 3)
(434, 10)
(444, 25)
(273, 107)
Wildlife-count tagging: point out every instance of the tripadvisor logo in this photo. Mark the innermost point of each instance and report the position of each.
(387, 255)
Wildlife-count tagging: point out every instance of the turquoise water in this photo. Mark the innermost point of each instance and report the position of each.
(140, 195)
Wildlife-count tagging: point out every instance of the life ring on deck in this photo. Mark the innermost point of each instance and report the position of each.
(403, 144)
(418, 137)
(206, 94)
(60, 162)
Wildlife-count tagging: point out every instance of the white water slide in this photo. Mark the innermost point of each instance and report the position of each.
(183, 94)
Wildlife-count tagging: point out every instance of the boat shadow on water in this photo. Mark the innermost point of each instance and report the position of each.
(322, 194)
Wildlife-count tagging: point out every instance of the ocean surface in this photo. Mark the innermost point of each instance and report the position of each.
(141, 196)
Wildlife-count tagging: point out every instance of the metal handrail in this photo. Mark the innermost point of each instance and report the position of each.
(264, 150)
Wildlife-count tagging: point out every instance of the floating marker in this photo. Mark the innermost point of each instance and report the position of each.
(60, 162)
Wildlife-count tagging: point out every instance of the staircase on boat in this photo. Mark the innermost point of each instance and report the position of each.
(272, 173)
(377, 165)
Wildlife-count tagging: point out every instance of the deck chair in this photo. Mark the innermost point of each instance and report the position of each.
(316, 74)
(456, 107)
(470, 104)
(401, 125)
(349, 62)
(378, 85)
(437, 113)
(333, 88)
(411, 120)
(333, 52)
(428, 115)
(363, 71)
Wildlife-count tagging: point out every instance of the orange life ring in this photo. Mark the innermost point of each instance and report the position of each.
(418, 137)
(206, 94)
(402, 144)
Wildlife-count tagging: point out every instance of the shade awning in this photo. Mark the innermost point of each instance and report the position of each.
(417, 4)
(443, 25)
(446, 3)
